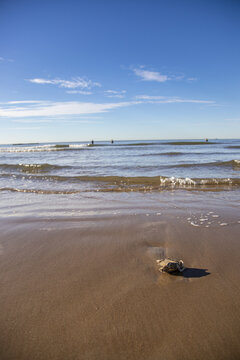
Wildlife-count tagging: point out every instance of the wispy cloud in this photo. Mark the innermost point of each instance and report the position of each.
(26, 102)
(47, 109)
(74, 83)
(192, 79)
(147, 75)
(2, 59)
(80, 121)
(170, 100)
(151, 75)
(30, 121)
(80, 92)
(62, 120)
(150, 97)
(115, 94)
(55, 109)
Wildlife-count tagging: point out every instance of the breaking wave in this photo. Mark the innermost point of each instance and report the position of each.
(121, 183)
(43, 148)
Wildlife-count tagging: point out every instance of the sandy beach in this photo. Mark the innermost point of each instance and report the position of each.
(119, 151)
(89, 288)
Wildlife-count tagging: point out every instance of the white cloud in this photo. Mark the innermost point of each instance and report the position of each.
(119, 96)
(62, 120)
(170, 100)
(24, 109)
(149, 97)
(78, 82)
(192, 79)
(115, 91)
(82, 122)
(81, 92)
(115, 94)
(26, 102)
(56, 109)
(147, 75)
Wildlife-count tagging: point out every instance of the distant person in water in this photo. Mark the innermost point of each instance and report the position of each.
(112, 141)
(206, 140)
(92, 142)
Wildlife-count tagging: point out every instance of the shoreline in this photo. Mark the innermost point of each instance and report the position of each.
(88, 287)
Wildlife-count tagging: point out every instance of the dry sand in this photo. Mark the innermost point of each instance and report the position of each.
(90, 289)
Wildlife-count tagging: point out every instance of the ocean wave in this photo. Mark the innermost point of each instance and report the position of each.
(120, 184)
(61, 146)
(141, 144)
(31, 168)
(190, 143)
(46, 169)
(78, 146)
(170, 153)
(39, 191)
(132, 183)
(43, 148)
(235, 164)
(199, 182)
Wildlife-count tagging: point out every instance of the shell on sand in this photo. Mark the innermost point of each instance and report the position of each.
(170, 266)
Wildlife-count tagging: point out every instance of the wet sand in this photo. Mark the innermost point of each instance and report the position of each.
(90, 289)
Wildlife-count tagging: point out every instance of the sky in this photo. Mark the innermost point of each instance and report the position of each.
(137, 69)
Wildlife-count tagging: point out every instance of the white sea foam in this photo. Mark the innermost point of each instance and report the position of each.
(182, 182)
(194, 224)
(78, 146)
(19, 149)
(41, 148)
(176, 181)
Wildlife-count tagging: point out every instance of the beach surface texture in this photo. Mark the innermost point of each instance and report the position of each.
(85, 284)
(82, 228)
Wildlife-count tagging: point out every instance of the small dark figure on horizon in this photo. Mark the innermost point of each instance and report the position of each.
(112, 141)
(206, 140)
(92, 142)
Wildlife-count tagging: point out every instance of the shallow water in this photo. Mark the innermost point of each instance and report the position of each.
(122, 166)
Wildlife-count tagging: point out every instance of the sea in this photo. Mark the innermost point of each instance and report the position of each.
(56, 175)
(120, 166)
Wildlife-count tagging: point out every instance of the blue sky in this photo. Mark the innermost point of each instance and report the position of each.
(77, 70)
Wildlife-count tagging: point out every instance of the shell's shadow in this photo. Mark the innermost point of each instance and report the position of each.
(192, 273)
